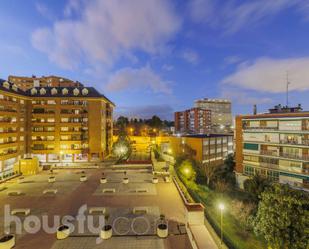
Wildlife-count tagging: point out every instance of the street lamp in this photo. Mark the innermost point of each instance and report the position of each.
(186, 171)
(221, 207)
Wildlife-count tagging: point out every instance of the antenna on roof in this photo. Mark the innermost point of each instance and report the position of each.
(287, 88)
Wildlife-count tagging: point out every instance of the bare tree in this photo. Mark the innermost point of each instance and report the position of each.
(210, 171)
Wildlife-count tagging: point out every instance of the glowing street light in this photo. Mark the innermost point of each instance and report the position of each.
(221, 207)
(187, 171)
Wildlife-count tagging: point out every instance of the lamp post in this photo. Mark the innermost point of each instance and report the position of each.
(221, 207)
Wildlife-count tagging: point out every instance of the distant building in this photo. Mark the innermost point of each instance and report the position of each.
(207, 149)
(274, 145)
(221, 113)
(193, 121)
(26, 83)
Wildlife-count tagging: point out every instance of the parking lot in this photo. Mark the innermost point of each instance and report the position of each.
(133, 209)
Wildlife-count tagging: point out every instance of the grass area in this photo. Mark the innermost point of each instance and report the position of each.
(235, 235)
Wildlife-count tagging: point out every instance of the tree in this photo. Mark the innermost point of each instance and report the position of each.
(283, 217)
(242, 211)
(122, 148)
(225, 173)
(255, 186)
(155, 122)
(210, 171)
(122, 121)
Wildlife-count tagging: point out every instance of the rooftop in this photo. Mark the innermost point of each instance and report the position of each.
(208, 135)
(53, 91)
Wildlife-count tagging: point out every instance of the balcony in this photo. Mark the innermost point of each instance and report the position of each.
(269, 165)
(294, 156)
(41, 148)
(7, 111)
(259, 128)
(269, 153)
(304, 142)
(8, 152)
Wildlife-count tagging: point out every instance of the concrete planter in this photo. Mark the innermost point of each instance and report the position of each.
(7, 241)
(103, 180)
(83, 178)
(162, 230)
(125, 180)
(63, 232)
(51, 179)
(106, 232)
(155, 180)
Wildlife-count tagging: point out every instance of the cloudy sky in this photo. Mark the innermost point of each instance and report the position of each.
(158, 56)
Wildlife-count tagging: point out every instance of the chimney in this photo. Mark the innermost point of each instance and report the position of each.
(254, 110)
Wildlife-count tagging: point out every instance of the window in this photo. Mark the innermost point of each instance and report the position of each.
(65, 91)
(75, 92)
(64, 128)
(249, 146)
(85, 91)
(34, 91)
(249, 170)
(50, 120)
(54, 91)
(51, 102)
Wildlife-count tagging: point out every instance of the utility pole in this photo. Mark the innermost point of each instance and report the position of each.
(287, 88)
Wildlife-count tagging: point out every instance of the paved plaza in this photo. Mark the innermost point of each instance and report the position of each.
(133, 209)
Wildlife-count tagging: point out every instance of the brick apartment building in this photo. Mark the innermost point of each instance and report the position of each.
(193, 121)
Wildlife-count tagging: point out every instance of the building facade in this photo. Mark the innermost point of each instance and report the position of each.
(25, 83)
(206, 149)
(274, 145)
(54, 124)
(221, 113)
(193, 121)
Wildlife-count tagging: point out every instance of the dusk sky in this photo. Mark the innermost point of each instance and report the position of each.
(158, 56)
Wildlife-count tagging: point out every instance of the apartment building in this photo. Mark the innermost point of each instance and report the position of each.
(193, 121)
(207, 148)
(275, 145)
(55, 124)
(25, 83)
(221, 113)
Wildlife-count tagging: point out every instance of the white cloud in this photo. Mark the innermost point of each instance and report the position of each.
(233, 59)
(269, 75)
(44, 11)
(142, 78)
(167, 67)
(108, 30)
(201, 10)
(232, 16)
(190, 56)
(243, 97)
(72, 7)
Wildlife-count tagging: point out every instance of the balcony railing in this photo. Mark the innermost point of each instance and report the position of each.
(293, 142)
(294, 156)
(285, 155)
(8, 152)
(42, 148)
(269, 165)
(260, 128)
(269, 153)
